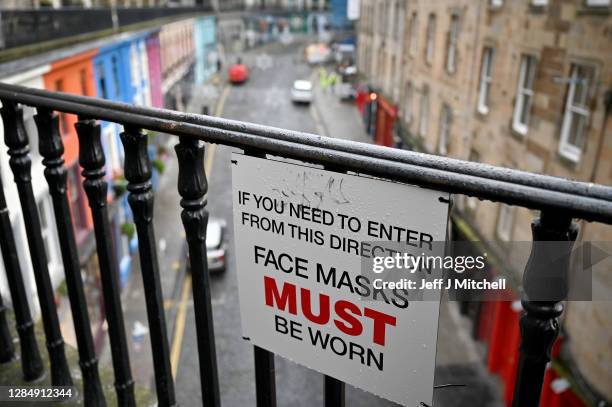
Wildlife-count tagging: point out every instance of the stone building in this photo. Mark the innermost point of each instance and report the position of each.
(524, 84)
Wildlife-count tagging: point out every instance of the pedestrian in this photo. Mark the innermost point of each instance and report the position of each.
(331, 81)
(322, 78)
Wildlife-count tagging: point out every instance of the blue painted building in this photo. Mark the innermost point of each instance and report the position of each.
(205, 41)
(122, 74)
(339, 16)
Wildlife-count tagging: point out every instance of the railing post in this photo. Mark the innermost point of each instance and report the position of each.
(192, 187)
(545, 287)
(334, 392)
(265, 377)
(51, 149)
(91, 159)
(7, 350)
(138, 173)
(31, 364)
(16, 140)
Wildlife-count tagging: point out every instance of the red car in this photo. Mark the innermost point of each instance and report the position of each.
(238, 73)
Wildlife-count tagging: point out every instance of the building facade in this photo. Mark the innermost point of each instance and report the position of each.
(32, 78)
(74, 74)
(177, 56)
(154, 59)
(521, 84)
(205, 43)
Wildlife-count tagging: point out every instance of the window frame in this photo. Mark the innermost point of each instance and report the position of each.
(414, 34)
(446, 116)
(408, 96)
(524, 94)
(486, 79)
(424, 113)
(397, 21)
(597, 3)
(568, 150)
(505, 218)
(453, 36)
(63, 118)
(430, 39)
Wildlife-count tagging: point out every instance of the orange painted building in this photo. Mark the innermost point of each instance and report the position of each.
(72, 75)
(75, 75)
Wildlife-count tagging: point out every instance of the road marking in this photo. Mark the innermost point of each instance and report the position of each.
(221, 102)
(179, 329)
(213, 147)
(181, 316)
(210, 156)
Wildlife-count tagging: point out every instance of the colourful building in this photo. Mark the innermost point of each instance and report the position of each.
(122, 74)
(31, 78)
(177, 55)
(74, 74)
(155, 78)
(205, 40)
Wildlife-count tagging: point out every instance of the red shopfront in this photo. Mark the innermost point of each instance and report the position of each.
(498, 329)
(385, 119)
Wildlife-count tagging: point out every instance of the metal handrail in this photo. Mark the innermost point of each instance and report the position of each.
(588, 201)
(559, 200)
(409, 157)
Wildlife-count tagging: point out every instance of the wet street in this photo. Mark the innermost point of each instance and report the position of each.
(264, 99)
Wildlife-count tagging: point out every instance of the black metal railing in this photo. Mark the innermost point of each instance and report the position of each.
(560, 201)
(23, 27)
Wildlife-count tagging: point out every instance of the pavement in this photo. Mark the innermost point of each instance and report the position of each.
(337, 118)
(265, 99)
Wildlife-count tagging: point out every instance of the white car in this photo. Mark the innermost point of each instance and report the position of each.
(215, 246)
(301, 92)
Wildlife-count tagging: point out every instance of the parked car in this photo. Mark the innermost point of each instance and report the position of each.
(301, 92)
(346, 88)
(216, 248)
(238, 72)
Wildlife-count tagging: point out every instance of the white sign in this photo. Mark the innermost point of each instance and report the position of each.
(352, 9)
(301, 236)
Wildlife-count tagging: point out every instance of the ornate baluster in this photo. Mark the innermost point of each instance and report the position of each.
(545, 287)
(91, 158)
(51, 148)
(192, 187)
(138, 174)
(31, 364)
(16, 140)
(7, 350)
